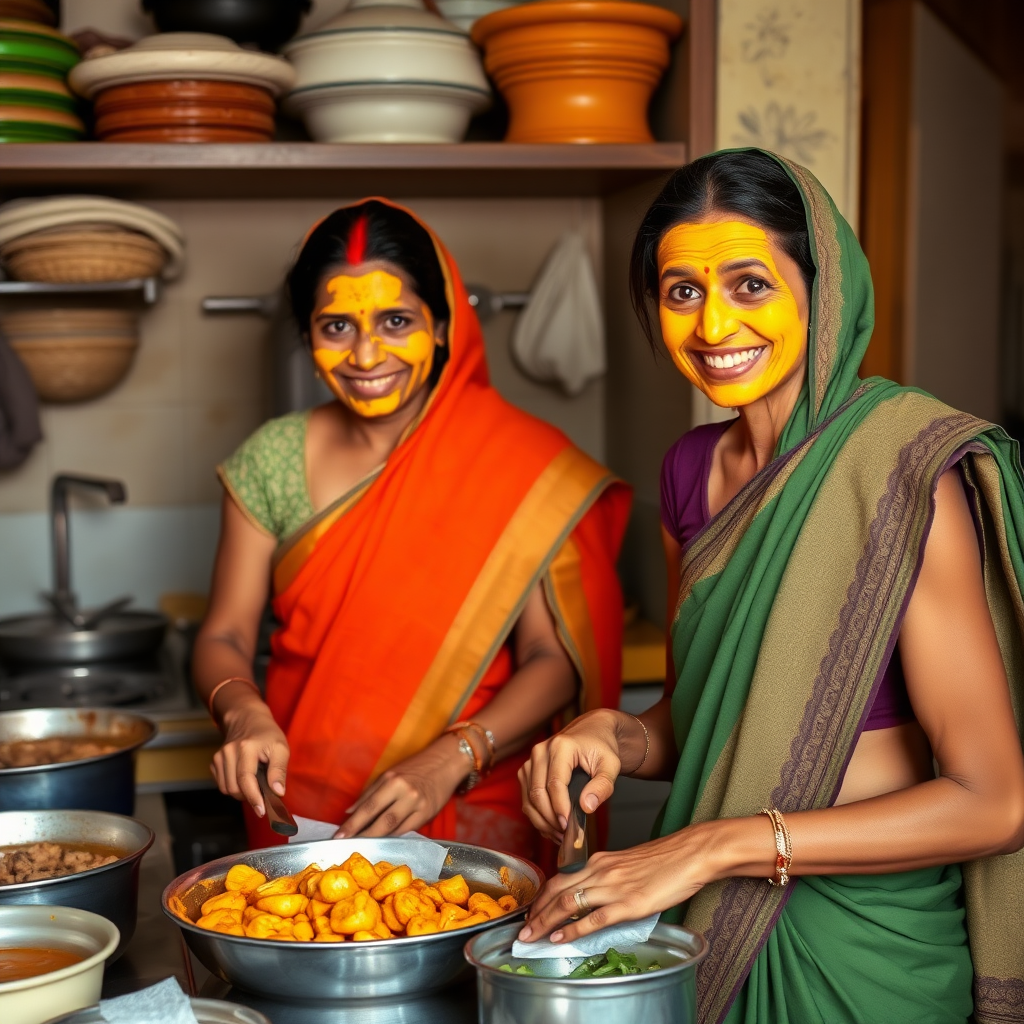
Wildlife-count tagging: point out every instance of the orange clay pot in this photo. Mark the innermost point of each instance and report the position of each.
(577, 70)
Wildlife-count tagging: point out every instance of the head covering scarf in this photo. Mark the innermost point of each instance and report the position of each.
(397, 601)
(778, 662)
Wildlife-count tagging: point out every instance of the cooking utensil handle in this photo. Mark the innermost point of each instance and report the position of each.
(278, 815)
(573, 852)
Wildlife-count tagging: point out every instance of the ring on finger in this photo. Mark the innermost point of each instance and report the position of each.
(579, 897)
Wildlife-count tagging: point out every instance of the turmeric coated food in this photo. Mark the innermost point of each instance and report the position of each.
(357, 901)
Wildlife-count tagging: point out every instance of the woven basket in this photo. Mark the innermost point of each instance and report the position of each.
(73, 354)
(72, 256)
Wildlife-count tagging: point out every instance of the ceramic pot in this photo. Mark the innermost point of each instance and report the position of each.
(267, 23)
(577, 70)
(29, 10)
(173, 56)
(35, 91)
(386, 72)
(55, 125)
(179, 111)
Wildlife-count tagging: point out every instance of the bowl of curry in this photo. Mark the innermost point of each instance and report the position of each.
(84, 859)
(51, 961)
(345, 919)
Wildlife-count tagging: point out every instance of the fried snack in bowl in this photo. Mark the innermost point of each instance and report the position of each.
(360, 897)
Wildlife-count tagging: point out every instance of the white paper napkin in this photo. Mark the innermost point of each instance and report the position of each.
(425, 857)
(162, 1003)
(619, 936)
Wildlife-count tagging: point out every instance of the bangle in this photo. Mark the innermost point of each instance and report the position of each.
(647, 744)
(221, 685)
(488, 737)
(783, 846)
(465, 747)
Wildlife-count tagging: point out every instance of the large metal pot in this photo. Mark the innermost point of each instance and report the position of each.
(310, 972)
(104, 783)
(111, 891)
(668, 996)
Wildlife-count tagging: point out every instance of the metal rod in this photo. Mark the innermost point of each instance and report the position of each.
(265, 305)
(149, 286)
(116, 494)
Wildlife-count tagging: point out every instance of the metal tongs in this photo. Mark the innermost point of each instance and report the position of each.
(279, 817)
(573, 852)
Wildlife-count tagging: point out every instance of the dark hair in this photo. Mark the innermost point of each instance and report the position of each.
(378, 232)
(747, 182)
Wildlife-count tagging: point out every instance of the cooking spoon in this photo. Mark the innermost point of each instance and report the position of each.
(278, 815)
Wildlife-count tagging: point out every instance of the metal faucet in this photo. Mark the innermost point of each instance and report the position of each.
(62, 598)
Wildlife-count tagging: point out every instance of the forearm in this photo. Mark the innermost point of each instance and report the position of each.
(537, 691)
(216, 658)
(900, 831)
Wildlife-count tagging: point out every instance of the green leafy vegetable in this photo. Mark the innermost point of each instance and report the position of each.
(609, 963)
(521, 969)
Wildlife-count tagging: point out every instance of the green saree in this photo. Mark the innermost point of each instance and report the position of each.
(789, 608)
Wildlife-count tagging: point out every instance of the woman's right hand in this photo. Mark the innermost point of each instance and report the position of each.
(596, 742)
(250, 736)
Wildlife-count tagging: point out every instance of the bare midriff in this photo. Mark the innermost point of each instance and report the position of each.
(887, 760)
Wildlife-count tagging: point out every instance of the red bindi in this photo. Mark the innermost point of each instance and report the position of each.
(707, 270)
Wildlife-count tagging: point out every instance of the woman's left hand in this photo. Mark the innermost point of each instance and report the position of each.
(625, 885)
(408, 795)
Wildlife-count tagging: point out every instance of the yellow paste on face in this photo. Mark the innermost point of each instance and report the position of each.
(723, 323)
(362, 300)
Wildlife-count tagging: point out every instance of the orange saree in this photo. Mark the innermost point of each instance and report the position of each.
(397, 602)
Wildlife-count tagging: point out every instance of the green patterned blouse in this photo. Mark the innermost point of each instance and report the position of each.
(267, 475)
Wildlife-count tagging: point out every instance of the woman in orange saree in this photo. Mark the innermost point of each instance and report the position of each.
(436, 586)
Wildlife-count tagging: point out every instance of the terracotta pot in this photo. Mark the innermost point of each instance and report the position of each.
(123, 111)
(577, 70)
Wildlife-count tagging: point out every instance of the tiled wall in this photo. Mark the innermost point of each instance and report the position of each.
(198, 384)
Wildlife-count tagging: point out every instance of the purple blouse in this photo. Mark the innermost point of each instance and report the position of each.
(684, 511)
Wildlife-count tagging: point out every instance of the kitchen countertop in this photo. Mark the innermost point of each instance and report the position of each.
(157, 951)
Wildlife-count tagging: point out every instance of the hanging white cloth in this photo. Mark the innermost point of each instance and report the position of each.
(559, 336)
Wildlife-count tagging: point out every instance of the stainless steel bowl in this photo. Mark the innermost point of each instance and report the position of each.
(668, 996)
(104, 783)
(206, 1011)
(322, 972)
(111, 891)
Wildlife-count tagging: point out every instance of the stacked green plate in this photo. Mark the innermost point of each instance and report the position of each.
(35, 104)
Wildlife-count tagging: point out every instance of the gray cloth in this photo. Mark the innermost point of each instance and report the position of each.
(19, 410)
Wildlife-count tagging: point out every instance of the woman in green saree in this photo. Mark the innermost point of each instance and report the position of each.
(854, 527)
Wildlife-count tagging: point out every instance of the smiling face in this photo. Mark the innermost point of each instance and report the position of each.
(373, 338)
(733, 309)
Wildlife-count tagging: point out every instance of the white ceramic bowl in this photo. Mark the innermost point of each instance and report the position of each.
(168, 56)
(38, 999)
(464, 12)
(387, 72)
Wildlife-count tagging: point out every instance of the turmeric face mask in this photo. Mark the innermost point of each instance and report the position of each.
(730, 321)
(369, 322)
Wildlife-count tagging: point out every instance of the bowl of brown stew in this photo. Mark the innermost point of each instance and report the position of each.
(83, 859)
(51, 961)
(70, 758)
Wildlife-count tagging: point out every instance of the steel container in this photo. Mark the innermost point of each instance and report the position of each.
(111, 891)
(104, 783)
(667, 996)
(311, 972)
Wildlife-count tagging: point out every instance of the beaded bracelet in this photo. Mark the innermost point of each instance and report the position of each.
(465, 747)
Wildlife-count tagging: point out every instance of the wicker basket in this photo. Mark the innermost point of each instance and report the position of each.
(73, 354)
(74, 256)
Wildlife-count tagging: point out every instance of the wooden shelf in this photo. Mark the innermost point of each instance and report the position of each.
(282, 170)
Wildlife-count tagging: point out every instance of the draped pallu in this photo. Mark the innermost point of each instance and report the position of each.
(790, 606)
(398, 601)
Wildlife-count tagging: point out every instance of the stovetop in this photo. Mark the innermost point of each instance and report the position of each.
(158, 686)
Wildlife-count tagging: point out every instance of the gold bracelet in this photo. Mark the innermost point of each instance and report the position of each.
(783, 846)
(647, 745)
(221, 685)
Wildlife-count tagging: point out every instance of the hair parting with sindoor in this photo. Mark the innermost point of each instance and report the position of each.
(375, 231)
(748, 183)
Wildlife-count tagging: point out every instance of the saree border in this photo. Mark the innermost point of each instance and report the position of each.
(559, 498)
(744, 911)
